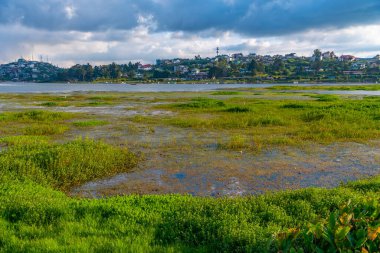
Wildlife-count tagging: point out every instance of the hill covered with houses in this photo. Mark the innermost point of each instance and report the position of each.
(320, 67)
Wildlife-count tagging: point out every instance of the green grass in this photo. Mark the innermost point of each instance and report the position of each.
(24, 140)
(37, 218)
(326, 97)
(49, 104)
(44, 129)
(63, 165)
(202, 103)
(34, 122)
(238, 109)
(326, 119)
(33, 116)
(90, 123)
(373, 87)
(38, 168)
(226, 93)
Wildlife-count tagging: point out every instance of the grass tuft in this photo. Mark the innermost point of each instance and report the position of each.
(90, 123)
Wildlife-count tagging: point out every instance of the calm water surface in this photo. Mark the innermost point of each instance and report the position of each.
(64, 87)
(10, 87)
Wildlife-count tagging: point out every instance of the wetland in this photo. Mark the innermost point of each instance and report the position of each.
(210, 143)
(88, 157)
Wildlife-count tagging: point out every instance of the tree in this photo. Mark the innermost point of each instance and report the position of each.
(317, 56)
(114, 71)
(254, 67)
(278, 65)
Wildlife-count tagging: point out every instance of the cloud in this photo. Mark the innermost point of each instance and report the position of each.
(96, 31)
(250, 17)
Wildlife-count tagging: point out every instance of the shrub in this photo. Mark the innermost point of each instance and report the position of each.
(352, 228)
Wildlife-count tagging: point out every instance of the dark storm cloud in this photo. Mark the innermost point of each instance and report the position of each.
(251, 17)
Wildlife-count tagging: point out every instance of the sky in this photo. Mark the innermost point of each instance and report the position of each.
(66, 32)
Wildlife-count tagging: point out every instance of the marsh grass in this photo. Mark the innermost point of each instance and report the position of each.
(238, 109)
(34, 116)
(235, 142)
(95, 103)
(202, 103)
(285, 122)
(20, 140)
(326, 97)
(35, 122)
(45, 129)
(90, 123)
(37, 218)
(372, 87)
(226, 93)
(64, 165)
(50, 104)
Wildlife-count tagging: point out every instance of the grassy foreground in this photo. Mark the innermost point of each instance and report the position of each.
(36, 217)
(35, 172)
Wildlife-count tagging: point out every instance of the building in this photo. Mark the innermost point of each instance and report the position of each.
(347, 58)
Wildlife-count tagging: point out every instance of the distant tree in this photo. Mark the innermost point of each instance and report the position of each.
(317, 64)
(114, 71)
(87, 72)
(161, 74)
(317, 53)
(215, 72)
(254, 67)
(278, 65)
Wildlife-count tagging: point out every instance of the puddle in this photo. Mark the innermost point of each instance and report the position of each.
(227, 173)
(113, 110)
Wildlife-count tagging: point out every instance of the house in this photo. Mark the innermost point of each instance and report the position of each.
(181, 69)
(329, 55)
(353, 72)
(145, 67)
(348, 58)
(358, 66)
(237, 57)
(291, 56)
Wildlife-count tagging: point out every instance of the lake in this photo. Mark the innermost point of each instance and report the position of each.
(64, 87)
(11, 87)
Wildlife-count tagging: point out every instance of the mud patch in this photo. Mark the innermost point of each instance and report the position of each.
(225, 173)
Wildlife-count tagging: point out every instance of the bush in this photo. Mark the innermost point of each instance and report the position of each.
(352, 228)
(63, 166)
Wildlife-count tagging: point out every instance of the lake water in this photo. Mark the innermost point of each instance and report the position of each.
(64, 87)
(10, 87)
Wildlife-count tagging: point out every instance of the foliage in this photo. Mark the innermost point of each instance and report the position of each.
(64, 165)
(90, 123)
(352, 228)
(36, 218)
(202, 103)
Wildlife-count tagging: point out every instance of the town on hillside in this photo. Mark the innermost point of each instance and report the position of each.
(320, 67)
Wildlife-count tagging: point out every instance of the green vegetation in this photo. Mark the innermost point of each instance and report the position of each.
(202, 103)
(33, 116)
(49, 104)
(324, 119)
(36, 218)
(226, 93)
(63, 165)
(90, 123)
(372, 87)
(352, 227)
(44, 129)
(40, 163)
